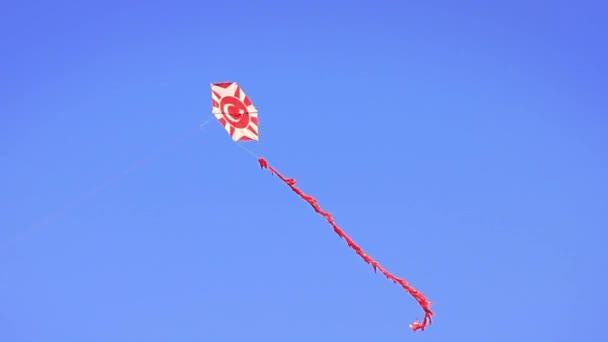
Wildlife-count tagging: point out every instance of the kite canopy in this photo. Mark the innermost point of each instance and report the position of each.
(235, 111)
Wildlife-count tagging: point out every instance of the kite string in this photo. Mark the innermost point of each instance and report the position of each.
(418, 296)
(253, 154)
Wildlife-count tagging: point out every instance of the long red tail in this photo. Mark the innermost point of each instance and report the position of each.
(420, 298)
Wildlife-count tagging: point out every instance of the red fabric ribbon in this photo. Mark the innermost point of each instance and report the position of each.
(420, 298)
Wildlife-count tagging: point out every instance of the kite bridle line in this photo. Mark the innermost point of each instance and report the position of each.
(250, 152)
(109, 181)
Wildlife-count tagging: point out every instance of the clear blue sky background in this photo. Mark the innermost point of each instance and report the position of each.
(461, 143)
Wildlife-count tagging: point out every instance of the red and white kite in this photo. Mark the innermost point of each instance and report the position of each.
(235, 111)
(238, 115)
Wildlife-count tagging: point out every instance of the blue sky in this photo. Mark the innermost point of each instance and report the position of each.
(461, 144)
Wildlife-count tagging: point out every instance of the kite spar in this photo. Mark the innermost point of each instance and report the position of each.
(236, 112)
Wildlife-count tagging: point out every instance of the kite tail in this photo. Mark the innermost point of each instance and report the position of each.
(420, 298)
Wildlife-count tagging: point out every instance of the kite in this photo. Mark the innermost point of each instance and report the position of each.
(236, 112)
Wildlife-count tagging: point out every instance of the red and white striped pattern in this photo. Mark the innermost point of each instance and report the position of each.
(235, 111)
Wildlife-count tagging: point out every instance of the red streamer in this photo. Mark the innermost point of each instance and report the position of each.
(420, 298)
